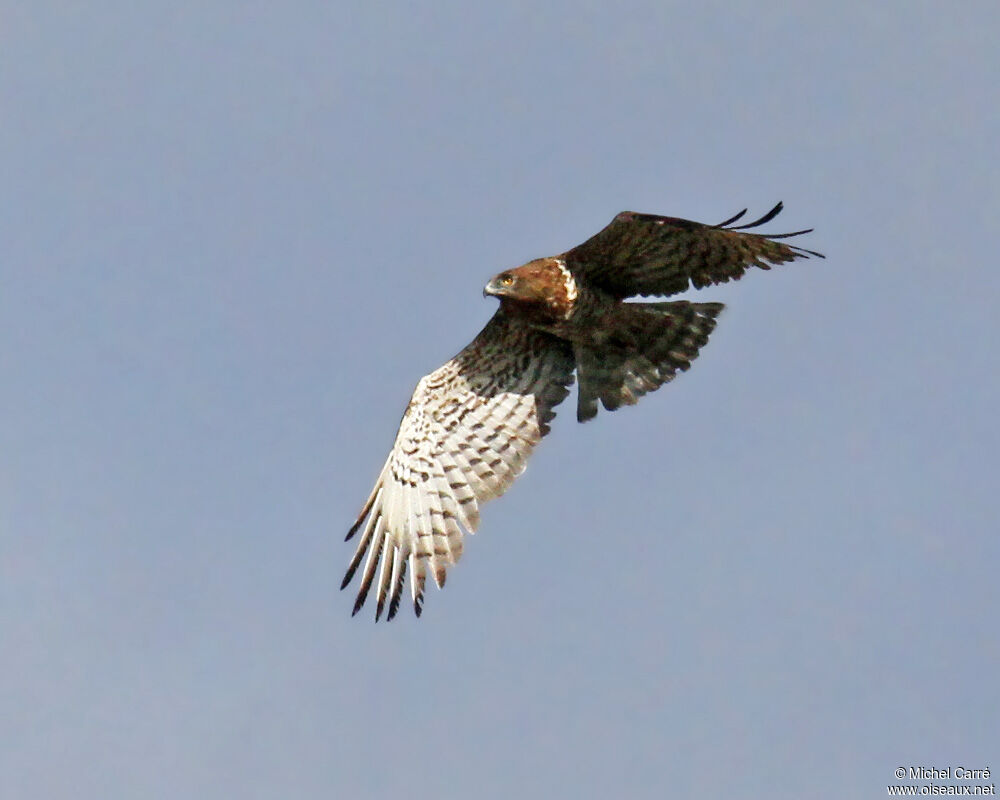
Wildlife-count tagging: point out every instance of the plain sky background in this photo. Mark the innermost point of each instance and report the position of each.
(234, 235)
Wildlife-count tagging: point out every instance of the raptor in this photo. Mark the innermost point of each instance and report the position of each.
(472, 424)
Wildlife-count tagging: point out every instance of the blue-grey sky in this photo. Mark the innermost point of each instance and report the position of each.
(234, 235)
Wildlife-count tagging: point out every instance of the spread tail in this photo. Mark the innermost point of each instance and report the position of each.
(646, 345)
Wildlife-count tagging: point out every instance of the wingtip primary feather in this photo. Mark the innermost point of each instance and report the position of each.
(354, 528)
(789, 235)
(778, 208)
(732, 219)
(807, 253)
(369, 504)
(802, 251)
(763, 220)
(375, 549)
(418, 576)
(399, 578)
(384, 578)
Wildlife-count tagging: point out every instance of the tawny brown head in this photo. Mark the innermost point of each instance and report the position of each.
(542, 285)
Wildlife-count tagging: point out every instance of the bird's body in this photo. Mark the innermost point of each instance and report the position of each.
(471, 424)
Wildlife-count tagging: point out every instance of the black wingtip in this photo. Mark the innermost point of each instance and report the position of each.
(354, 527)
(393, 607)
(731, 220)
(789, 235)
(763, 220)
(809, 252)
(802, 251)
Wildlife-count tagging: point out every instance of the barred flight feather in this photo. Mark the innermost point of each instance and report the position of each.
(465, 437)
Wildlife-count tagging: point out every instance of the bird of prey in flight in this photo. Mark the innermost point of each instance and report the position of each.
(471, 424)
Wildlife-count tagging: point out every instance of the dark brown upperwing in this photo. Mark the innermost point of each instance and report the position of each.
(646, 254)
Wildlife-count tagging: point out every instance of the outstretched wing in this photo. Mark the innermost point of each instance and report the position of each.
(464, 438)
(650, 255)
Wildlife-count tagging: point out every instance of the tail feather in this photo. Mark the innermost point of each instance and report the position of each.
(645, 346)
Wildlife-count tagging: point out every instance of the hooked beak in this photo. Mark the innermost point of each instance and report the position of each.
(502, 285)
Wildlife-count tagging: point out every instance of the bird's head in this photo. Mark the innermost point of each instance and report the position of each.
(543, 284)
(506, 284)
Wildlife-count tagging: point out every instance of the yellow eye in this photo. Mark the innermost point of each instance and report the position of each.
(507, 280)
